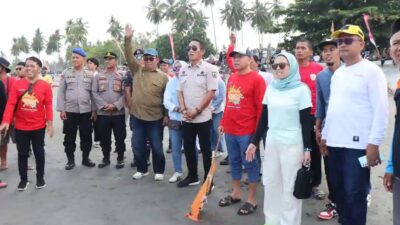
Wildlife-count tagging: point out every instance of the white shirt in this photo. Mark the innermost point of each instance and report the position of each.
(268, 77)
(358, 107)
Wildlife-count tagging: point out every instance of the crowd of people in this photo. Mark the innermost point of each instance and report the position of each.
(302, 114)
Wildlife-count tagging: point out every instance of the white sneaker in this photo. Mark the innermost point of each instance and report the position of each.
(159, 177)
(96, 144)
(218, 154)
(177, 176)
(139, 175)
(369, 200)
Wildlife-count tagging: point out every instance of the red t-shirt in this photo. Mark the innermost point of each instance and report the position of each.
(8, 81)
(309, 76)
(34, 109)
(244, 95)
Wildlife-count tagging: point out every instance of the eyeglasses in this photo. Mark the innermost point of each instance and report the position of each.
(280, 65)
(347, 41)
(193, 48)
(151, 59)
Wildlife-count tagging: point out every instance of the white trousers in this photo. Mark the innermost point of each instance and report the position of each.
(281, 163)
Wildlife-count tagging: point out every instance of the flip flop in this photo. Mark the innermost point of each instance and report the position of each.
(247, 209)
(228, 200)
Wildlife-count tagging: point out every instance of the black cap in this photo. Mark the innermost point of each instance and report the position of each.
(326, 42)
(94, 61)
(165, 61)
(395, 26)
(110, 55)
(138, 51)
(5, 64)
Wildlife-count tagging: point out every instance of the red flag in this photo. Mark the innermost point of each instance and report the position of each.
(371, 36)
(171, 42)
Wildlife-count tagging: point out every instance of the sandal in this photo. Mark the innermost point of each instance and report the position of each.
(228, 200)
(247, 209)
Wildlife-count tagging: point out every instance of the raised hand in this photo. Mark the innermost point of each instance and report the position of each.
(129, 31)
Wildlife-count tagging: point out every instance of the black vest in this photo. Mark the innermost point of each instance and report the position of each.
(396, 136)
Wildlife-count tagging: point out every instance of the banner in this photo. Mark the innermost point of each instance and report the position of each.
(371, 36)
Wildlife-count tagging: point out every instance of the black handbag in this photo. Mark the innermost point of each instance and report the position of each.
(303, 184)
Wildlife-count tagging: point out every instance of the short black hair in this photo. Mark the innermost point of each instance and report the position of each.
(309, 43)
(256, 59)
(201, 43)
(94, 61)
(21, 64)
(36, 60)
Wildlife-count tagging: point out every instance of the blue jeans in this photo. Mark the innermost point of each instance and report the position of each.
(216, 119)
(237, 146)
(351, 183)
(151, 130)
(176, 144)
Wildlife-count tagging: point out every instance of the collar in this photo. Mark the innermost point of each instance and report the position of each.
(197, 65)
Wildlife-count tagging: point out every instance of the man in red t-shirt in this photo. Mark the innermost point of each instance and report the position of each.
(245, 92)
(8, 83)
(308, 72)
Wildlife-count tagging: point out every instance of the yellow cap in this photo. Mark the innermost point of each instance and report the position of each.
(349, 29)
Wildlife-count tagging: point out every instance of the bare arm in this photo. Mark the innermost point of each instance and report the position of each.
(131, 61)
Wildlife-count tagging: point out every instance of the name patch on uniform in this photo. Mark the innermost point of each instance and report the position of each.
(202, 74)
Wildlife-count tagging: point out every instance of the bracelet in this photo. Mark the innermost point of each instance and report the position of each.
(307, 150)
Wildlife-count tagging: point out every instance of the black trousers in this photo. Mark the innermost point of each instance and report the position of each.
(331, 190)
(74, 122)
(108, 125)
(24, 140)
(96, 130)
(190, 131)
(316, 160)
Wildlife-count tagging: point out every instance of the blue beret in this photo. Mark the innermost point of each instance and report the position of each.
(79, 51)
(150, 51)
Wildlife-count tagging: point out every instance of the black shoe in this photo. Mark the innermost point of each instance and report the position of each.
(88, 163)
(70, 165)
(104, 163)
(224, 162)
(23, 185)
(40, 183)
(133, 164)
(188, 181)
(169, 151)
(120, 164)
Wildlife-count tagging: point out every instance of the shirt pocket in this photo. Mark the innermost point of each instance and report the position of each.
(71, 83)
(201, 81)
(156, 88)
(87, 83)
(117, 85)
(103, 84)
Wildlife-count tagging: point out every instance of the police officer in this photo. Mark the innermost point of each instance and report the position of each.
(108, 94)
(74, 102)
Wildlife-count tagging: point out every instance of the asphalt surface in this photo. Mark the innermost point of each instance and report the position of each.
(108, 196)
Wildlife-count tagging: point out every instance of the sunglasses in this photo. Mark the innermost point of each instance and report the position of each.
(280, 65)
(347, 41)
(193, 48)
(151, 59)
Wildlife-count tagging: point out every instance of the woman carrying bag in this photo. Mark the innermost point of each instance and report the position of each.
(30, 102)
(286, 115)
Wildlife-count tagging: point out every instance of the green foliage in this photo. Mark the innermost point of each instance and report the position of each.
(38, 42)
(54, 43)
(76, 32)
(313, 18)
(20, 45)
(115, 29)
(234, 14)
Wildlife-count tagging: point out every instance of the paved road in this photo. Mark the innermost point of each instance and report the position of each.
(110, 197)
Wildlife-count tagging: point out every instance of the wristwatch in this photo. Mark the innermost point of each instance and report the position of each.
(307, 150)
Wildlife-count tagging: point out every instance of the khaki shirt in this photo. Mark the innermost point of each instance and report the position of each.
(75, 92)
(147, 89)
(194, 82)
(107, 89)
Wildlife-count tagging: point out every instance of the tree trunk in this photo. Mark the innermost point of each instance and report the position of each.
(215, 35)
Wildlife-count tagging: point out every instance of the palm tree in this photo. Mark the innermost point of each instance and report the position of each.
(200, 20)
(210, 3)
(155, 12)
(234, 14)
(115, 29)
(170, 10)
(260, 18)
(54, 43)
(15, 51)
(23, 44)
(274, 7)
(76, 32)
(38, 42)
(185, 15)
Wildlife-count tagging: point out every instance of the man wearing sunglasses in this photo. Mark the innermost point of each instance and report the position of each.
(20, 70)
(308, 73)
(330, 55)
(148, 115)
(109, 98)
(391, 180)
(355, 125)
(198, 82)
